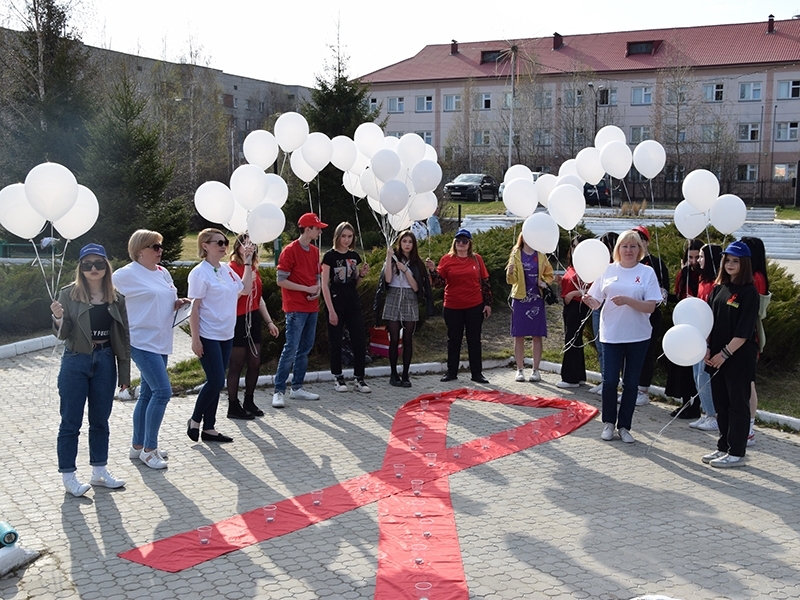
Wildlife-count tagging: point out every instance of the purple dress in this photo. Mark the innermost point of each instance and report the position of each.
(528, 317)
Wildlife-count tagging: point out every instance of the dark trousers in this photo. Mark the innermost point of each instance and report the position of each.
(730, 388)
(214, 361)
(628, 357)
(349, 314)
(653, 350)
(573, 363)
(459, 320)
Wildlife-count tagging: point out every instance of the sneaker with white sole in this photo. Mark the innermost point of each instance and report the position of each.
(566, 385)
(152, 459)
(277, 400)
(728, 461)
(535, 376)
(74, 486)
(619, 398)
(598, 389)
(135, 452)
(642, 398)
(339, 385)
(700, 421)
(751, 437)
(608, 432)
(302, 394)
(713, 456)
(625, 435)
(362, 387)
(520, 375)
(104, 478)
(710, 424)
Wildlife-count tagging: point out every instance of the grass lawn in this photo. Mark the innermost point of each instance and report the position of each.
(474, 208)
(788, 212)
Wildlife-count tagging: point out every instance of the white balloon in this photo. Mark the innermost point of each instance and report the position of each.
(426, 176)
(568, 179)
(360, 165)
(616, 158)
(375, 205)
(317, 151)
(16, 213)
(422, 206)
(689, 221)
(684, 345)
(588, 165)
(430, 153)
(238, 221)
(728, 213)
(694, 312)
(544, 185)
(300, 167)
(540, 232)
(566, 205)
(291, 131)
(249, 185)
(649, 157)
(81, 217)
(385, 164)
(265, 223)
(517, 172)
(344, 152)
(519, 196)
(590, 259)
(609, 133)
(368, 139)
(277, 192)
(701, 189)
(400, 222)
(352, 184)
(411, 149)
(260, 149)
(51, 190)
(370, 184)
(214, 201)
(568, 167)
(394, 196)
(390, 142)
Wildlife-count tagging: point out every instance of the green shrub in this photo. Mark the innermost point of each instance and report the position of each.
(24, 303)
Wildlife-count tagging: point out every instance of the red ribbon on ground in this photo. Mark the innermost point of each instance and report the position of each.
(401, 559)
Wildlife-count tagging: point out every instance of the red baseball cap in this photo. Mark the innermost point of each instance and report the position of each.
(311, 220)
(643, 232)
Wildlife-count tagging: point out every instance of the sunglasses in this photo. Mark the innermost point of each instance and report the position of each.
(156, 247)
(462, 241)
(87, 266)
(220, 243)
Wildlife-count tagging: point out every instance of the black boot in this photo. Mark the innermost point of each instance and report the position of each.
(394, 379)
(235, 410)
(251, 407)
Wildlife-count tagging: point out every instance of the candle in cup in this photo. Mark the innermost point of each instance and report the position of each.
(269, 512)
(423, 404)
(457, 451)
(431, 457)
(412, 444)
(398, 470)
(418, 505)
(416, 486)
(512, 433)
(420, 431)
(204, 534)
(423, 589)
(419, 553)
(316, 497)
(426, 527)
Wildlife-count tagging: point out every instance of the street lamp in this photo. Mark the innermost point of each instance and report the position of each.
(596, 101)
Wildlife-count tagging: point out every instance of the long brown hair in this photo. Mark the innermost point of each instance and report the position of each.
(238, 243)
(743, 277)
(337, 234)
(80, 292)
(413, 256)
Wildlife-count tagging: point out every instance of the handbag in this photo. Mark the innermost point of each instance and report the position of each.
(548, 295)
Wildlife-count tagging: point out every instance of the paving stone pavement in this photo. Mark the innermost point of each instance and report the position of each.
(571, 518)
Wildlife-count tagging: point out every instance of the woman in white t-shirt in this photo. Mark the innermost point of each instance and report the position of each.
(152, 300)
(214, 289)
(630, 291)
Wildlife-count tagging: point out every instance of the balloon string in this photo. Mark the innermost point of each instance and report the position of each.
(358, 222)
(41, 266)
(61, 266)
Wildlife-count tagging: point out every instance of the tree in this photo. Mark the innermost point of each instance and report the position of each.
(125, 170)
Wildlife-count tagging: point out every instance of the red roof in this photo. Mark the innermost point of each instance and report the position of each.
(706, 46)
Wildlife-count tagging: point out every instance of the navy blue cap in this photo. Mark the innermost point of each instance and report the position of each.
(93, 249)
(738, 249)
(463, 233)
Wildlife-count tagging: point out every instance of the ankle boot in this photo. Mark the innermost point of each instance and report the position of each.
(394, 379)
(251, 407)
(235, 410)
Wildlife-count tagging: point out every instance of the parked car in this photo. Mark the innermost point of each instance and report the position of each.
(535, 174)
(472, 186)
(600, 195)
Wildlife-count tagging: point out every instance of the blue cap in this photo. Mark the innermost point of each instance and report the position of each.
(463, 233)
(92, 249)
(738, 249)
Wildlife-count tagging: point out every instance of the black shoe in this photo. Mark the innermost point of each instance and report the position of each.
(250, 407)
(210, 437)
(235, 411)
(691, 412)
(405, 383)
(193, 433)
(448, 377)
(479, 379)
(394, 380)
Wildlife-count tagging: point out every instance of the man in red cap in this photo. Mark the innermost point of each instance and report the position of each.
(298, 273)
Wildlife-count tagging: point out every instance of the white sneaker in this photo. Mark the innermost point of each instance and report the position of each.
(361, 386)
(598, 389)
(73, 486)
(619, 398)
(713, 456)
(302, 394)
(135, 452)
(152, 459)
(104, 478)
(535, 375)
(728, 461)
(339, 385)
(642, 398)
(566, 385)
(751, 437)
(700, 421)
(710, 424)
(277, 400)
(625, 435)
(608, 432)
(520, 375)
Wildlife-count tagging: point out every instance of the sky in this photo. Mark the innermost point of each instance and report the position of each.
(289, 42)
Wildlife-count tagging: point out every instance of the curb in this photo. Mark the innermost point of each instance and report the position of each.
(25, 346)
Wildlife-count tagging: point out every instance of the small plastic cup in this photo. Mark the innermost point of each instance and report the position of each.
(419, 415)
(412, 444)
(456, 450)
(269, 512)
(423, 590)
(420, 431)
(204, 534)
(416, 486)
(426, 525)
(431, 458)
(512, 434)
(419, 551)
(557, 419)
(417, 506)
(485, 444)
(316, 497)
(535, 429)
(423, 404)
(398, 470)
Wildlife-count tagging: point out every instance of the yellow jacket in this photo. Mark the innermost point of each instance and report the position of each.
(517, 278)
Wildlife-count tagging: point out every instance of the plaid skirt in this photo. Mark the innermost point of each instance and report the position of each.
(401, 305)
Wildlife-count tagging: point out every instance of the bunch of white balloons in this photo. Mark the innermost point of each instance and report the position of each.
(702, 205)
(685, 342)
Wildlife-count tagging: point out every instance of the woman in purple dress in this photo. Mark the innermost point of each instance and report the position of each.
(528, 271)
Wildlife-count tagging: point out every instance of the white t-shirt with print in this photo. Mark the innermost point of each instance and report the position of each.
(624, 324)
(218, 290)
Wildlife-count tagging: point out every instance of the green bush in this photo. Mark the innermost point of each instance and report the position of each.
(24, 303)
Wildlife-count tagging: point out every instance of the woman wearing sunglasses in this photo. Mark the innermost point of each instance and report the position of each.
(90, 316)
(152, 300)
(214, 289)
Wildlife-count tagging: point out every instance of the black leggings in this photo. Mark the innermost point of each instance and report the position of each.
(394, 339)
(241, 356)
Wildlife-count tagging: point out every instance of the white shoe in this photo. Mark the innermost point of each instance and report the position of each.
(625, 435)
(713, 456)
(361, 386)
(566, 385)
(700, 421)
(135, 452)
(302, 394)
(277, 400)
(598, 389)
(535, 375)
(751, 437)
(152, 459)
(608, 432)
(727, 461)
(73, 486)
(104, 478)
(619, 398)
(339, 385)
(642, 398)
(520, 375)
(710, 424)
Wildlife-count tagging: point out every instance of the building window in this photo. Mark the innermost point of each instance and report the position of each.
(574, 136)
(677, 95)
(261, 106)
(373, 104)
(482, 137)
(642, 95)
(247, 124)
(573, 98)
(710, 133)
(788, 89)
(396, 105)
(424, 103)
(747, 173)
(786, 131)
(236, 87)
(427, 136)
(543, 99)
(452, 102)
(749, 132)
(396, 134)
(678, 135)
(712, 92)
(483, 101)
(247, 104)
(235, 102)
(494, 56)
(749, 91)
(640, 48)
(542, 137)
(640, 133)
(784, 171)
(507, 101)
(606, 97)
(674, 174)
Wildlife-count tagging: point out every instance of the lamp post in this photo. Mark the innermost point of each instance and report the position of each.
(596, 101)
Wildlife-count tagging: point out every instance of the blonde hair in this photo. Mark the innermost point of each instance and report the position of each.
(238, 243)
(141, 239)
(626, 237)
(337, 234)
(204, 237)
(80, 292)
(453, 247)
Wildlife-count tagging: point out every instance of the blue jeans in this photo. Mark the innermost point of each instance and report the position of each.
(630, 357)
(85, 376)
(216, 355)
(597, 343)
(703, 382)
(154, 394)
(301, 330)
